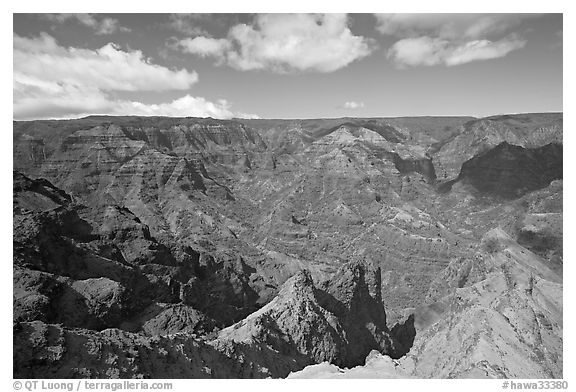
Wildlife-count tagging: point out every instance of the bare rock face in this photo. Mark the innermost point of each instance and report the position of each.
(314, 325)
(504, 321)
(175, 318)
(34, 295)
(377, 366)
(119, 226)
(354, 295)
(301, 326)
(542, 234)
(478, 136)
(39, 195)
(511, 171)
(56, 352)
(96, 267)
(508, 324)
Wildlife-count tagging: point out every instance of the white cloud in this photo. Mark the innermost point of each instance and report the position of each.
(35, 98)
(206, 47)
(433, 51)
(450, 39)
(51, 81)
(352, 105)
(484, 50)
(107, 68)
(285, 43)
(186, 106)
(100, 25)
(418, 51)
(447, 26)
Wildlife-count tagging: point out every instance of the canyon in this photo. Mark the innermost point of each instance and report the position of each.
(156, 247)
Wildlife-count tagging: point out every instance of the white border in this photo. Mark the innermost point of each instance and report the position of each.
(357, 6)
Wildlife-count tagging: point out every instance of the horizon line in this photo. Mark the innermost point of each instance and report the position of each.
(289, 119)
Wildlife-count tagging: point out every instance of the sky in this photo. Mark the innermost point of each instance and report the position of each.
(285, 65)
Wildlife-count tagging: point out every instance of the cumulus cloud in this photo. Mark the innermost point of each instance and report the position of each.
(100, 25)
(450, 39)
(52, 81)
(54, 102)
(186, 106)
(284, 43)
(35, 98)
(352, 105)
(206, 47)
(418, 51)
(107, 68)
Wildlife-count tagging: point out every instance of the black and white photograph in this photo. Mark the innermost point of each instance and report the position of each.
(287, 196)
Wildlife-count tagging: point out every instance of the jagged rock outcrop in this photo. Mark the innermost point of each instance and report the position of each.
(301, 326)
(169, 319)
(340, 323)
(39, 195)
(96, 267)
(51, 351)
